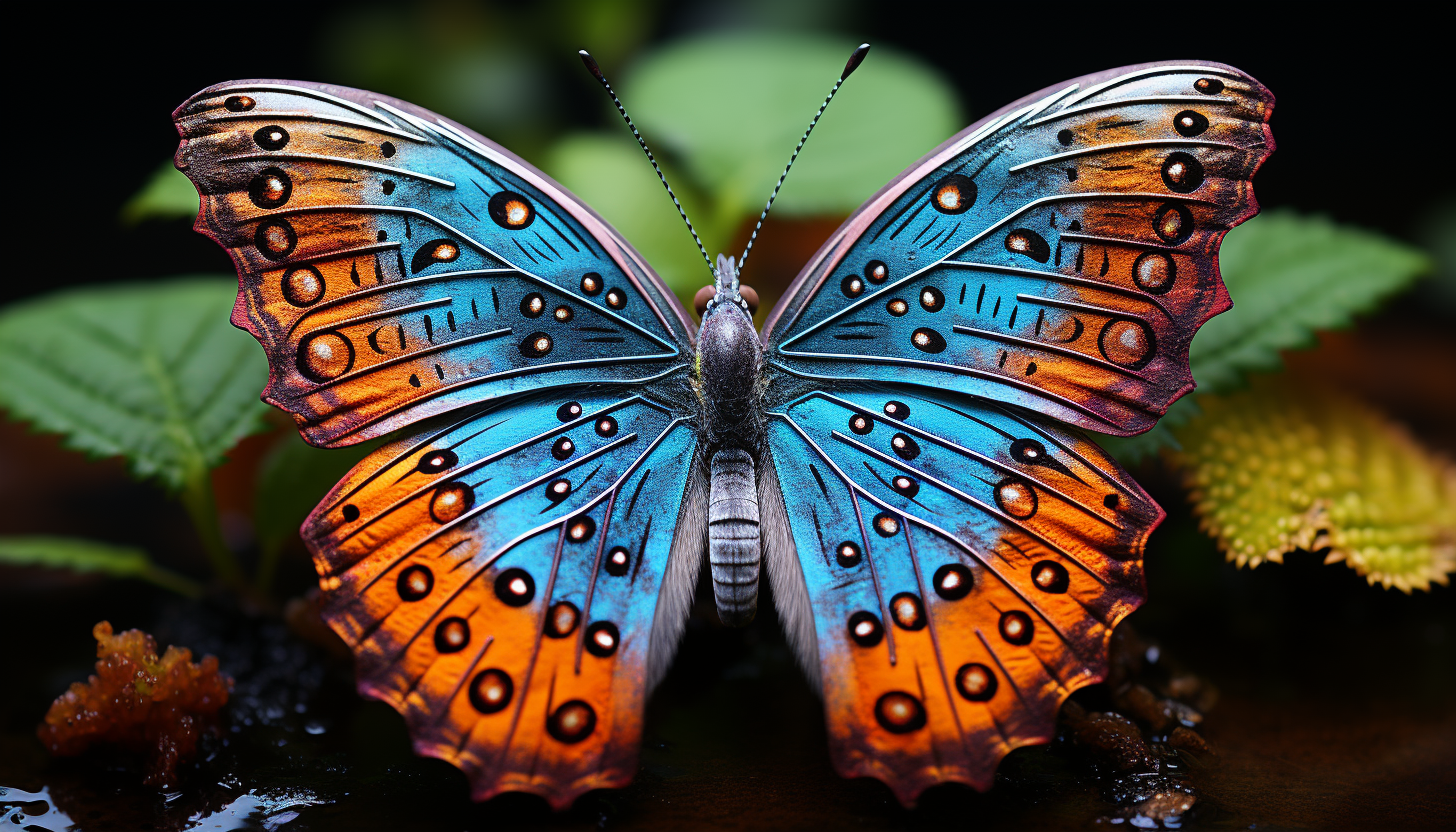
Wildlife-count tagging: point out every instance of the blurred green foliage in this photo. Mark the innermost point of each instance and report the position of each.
(89, 556)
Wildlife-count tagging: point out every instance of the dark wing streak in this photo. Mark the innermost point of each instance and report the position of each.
(314, 118)
(371, 316)
(1011, 680)
(939, 483)
(934, 637)
(591, 585)
(1126, 102)
(632, 504)
(1028, 343)
(952, 446)
(1122, 241)
(1010, 414)
(876, 475)
(999, 378)
(1106, 148)
(460, 385)
(339, 160)
(410, 356)
(337, 253)
(1028, 207)
(892, 220)
(469, 668)
(1085, 282)
(1074, 306)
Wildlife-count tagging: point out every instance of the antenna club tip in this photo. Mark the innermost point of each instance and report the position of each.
(591, 64)
(855, 60)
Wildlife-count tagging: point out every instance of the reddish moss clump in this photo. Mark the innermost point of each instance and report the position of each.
(157, 707)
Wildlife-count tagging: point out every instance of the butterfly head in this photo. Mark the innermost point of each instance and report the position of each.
(726, 291)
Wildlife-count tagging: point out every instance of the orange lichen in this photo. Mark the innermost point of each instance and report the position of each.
(138, 702)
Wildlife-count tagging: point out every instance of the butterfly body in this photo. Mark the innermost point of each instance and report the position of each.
(899, 449)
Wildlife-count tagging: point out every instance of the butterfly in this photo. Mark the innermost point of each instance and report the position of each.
(900, 448)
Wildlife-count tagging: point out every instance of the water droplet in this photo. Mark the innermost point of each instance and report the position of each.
(1015, 627)
(602, 638)
(536, 345)
(606, 427)
(272, 137)
(562, 619)
(436, 461)
(1126, 342)
(324, 356)
(865, 629)
(515, 588)
(490, 691)
(904, 447)
(572, 722)
(931, 300)
(451, 501)
(415, 582)
(899, 712)
(510, 211)
(270, 188)
(897, 307)
(848, 554)
(275, 239)
(1174, 223)
(563, 448)
(618, 561)
(239, 103)
(886, 524)
(861, 424)
(1016, 497)
(852, 286)
(1028, 243)
(954, 194)
(876, 271)
(1208, 86)
(905, 486)
(568, 411)
(1189, 123)
(1154, 272)
(927, 340)
(907, 612)
(953, 581)
(533, 305)
(303, 286)
(581, 529)
(558, 490)
(591, 283)
(452, 635)
(1182, 173)
(975, 682)
(1050, 576)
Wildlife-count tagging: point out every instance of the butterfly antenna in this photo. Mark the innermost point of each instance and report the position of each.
(596, 71)
(850, 66)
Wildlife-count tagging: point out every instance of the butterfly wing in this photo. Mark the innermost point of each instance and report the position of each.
(396, 265)
(1057, 255)
(949, 561)
(498, 579)
(515, 581)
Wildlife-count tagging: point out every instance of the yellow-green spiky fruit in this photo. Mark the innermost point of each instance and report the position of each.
(1281, 467)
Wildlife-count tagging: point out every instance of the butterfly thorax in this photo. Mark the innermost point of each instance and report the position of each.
(729, 357)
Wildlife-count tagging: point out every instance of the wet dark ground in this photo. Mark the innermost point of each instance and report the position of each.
(1337, 705)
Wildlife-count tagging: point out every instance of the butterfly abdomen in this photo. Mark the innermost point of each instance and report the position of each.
(733, 544)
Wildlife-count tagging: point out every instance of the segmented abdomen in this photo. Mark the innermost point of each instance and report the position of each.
(733, 549)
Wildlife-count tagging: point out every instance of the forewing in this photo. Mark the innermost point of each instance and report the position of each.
(965, 565)
(395, 265)
(1057, 255)
(497, 580)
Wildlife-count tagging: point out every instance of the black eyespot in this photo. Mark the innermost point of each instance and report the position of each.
(953, 581)
(515, 587)
(1064, 138)
(865, 629)
(861, 424)
(848, 554)
(1182, 173)
(1189, 123)
(436, 461)
(272, 137)
(568, 411)
(955, 194)
(1208, 86)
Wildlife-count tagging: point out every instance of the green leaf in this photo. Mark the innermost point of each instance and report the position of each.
(1291, 276)
(293, 478)
(153, 373)
(168, 195)
(80, 555)
(608, 171)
